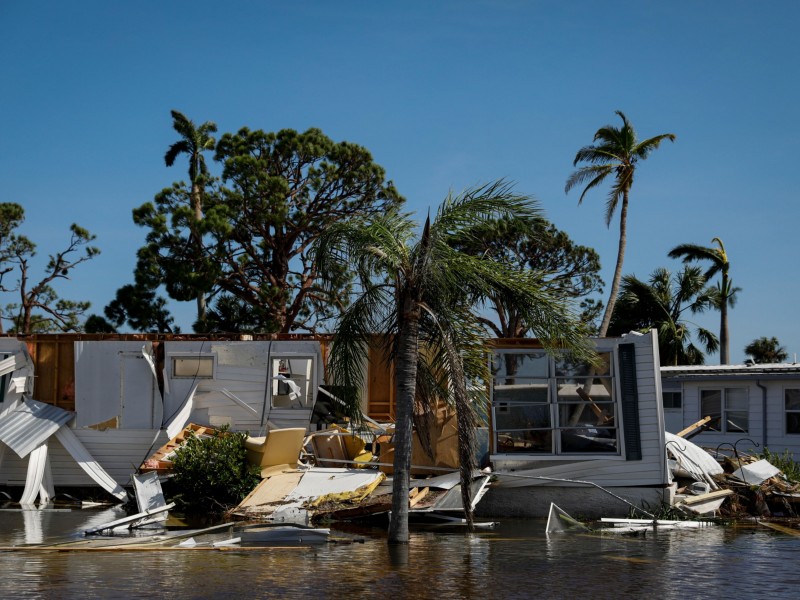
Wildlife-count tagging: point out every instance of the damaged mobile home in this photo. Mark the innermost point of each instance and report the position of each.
(105, 404)
(558, 431)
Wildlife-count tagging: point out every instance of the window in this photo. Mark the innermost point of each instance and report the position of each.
(671, 399)
(728, 409)
(792, 405)
(193, 367)
(543, 405)
(291, 382)
(4, 379)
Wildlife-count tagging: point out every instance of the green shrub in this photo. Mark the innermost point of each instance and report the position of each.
(212, 474)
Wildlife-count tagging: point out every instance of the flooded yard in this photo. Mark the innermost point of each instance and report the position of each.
(514, 560)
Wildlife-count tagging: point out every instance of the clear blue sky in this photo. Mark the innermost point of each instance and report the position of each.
(444, 94)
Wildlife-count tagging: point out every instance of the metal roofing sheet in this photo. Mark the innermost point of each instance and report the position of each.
(30, 424)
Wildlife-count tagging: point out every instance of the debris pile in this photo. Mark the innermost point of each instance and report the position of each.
(759, 488)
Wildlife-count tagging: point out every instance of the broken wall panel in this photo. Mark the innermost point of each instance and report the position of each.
(114, 386)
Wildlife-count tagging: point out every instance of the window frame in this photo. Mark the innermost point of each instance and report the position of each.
(555, 403)
(724, 410)
(198, 356)
(787, 412)
(307, 400)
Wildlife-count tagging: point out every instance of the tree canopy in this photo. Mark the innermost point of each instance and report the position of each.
(278, 192)
(565, 268)
(766, 350)
(39, 307)
(663, 303)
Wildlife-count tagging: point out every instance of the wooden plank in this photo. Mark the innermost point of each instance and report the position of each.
(691, 500)
(693, 426)
(418, 497)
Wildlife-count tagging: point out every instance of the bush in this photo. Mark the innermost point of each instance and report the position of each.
(212, 473)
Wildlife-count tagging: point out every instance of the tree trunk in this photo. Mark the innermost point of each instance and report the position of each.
(723, 321)
(197, 205)
(406, 392)
(623, 237)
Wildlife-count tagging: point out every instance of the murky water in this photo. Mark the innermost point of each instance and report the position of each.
(514, 560)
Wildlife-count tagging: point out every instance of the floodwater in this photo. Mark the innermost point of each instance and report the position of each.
(514, 560)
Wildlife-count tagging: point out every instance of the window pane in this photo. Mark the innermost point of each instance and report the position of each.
(522, 416)
(508, 365)
(526, 442)
(736, 399)
(526, 391)
(793, 422)
(736, 422)
(570, 415)
(566, 367)
(711, 406)
(193, 366)
(589, 440)
(599, 391)
(792, 398)
(672, 399)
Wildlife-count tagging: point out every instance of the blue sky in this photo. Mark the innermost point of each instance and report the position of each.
(445, 95)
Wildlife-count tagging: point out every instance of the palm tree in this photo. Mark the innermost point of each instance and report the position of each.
(615, 151)
(725, 293)
(661, 304)
(419, 292)
(194, 141)
(766, 350)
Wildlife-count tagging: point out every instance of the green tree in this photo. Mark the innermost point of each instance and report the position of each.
(194, 141)
(662, 303)
(282, 190)
(766, 350)
(417, 290)
(566, 269)
(725, 293)
(39, 308)
(616, 151)
(142, 309)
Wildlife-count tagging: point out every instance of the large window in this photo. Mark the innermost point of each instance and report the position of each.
(792, 405)
(728, 409)
(551, 406)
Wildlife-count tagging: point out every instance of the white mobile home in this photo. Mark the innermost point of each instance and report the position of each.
(752, 406)
(582, 437)
(125, 397)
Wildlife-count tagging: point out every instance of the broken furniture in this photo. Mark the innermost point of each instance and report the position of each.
(278, 447)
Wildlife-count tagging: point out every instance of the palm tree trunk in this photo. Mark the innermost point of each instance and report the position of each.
(197, 206)
(623, 238)
(723, 321)
(407, 351)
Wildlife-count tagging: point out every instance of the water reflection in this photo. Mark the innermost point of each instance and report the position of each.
(516, 560)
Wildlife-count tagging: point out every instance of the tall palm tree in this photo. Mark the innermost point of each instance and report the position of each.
(616, 151)
(661, 303)
(725, 293)
(194, 141)
(419, 292)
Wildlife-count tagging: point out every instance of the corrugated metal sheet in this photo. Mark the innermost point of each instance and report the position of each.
(26, 427)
